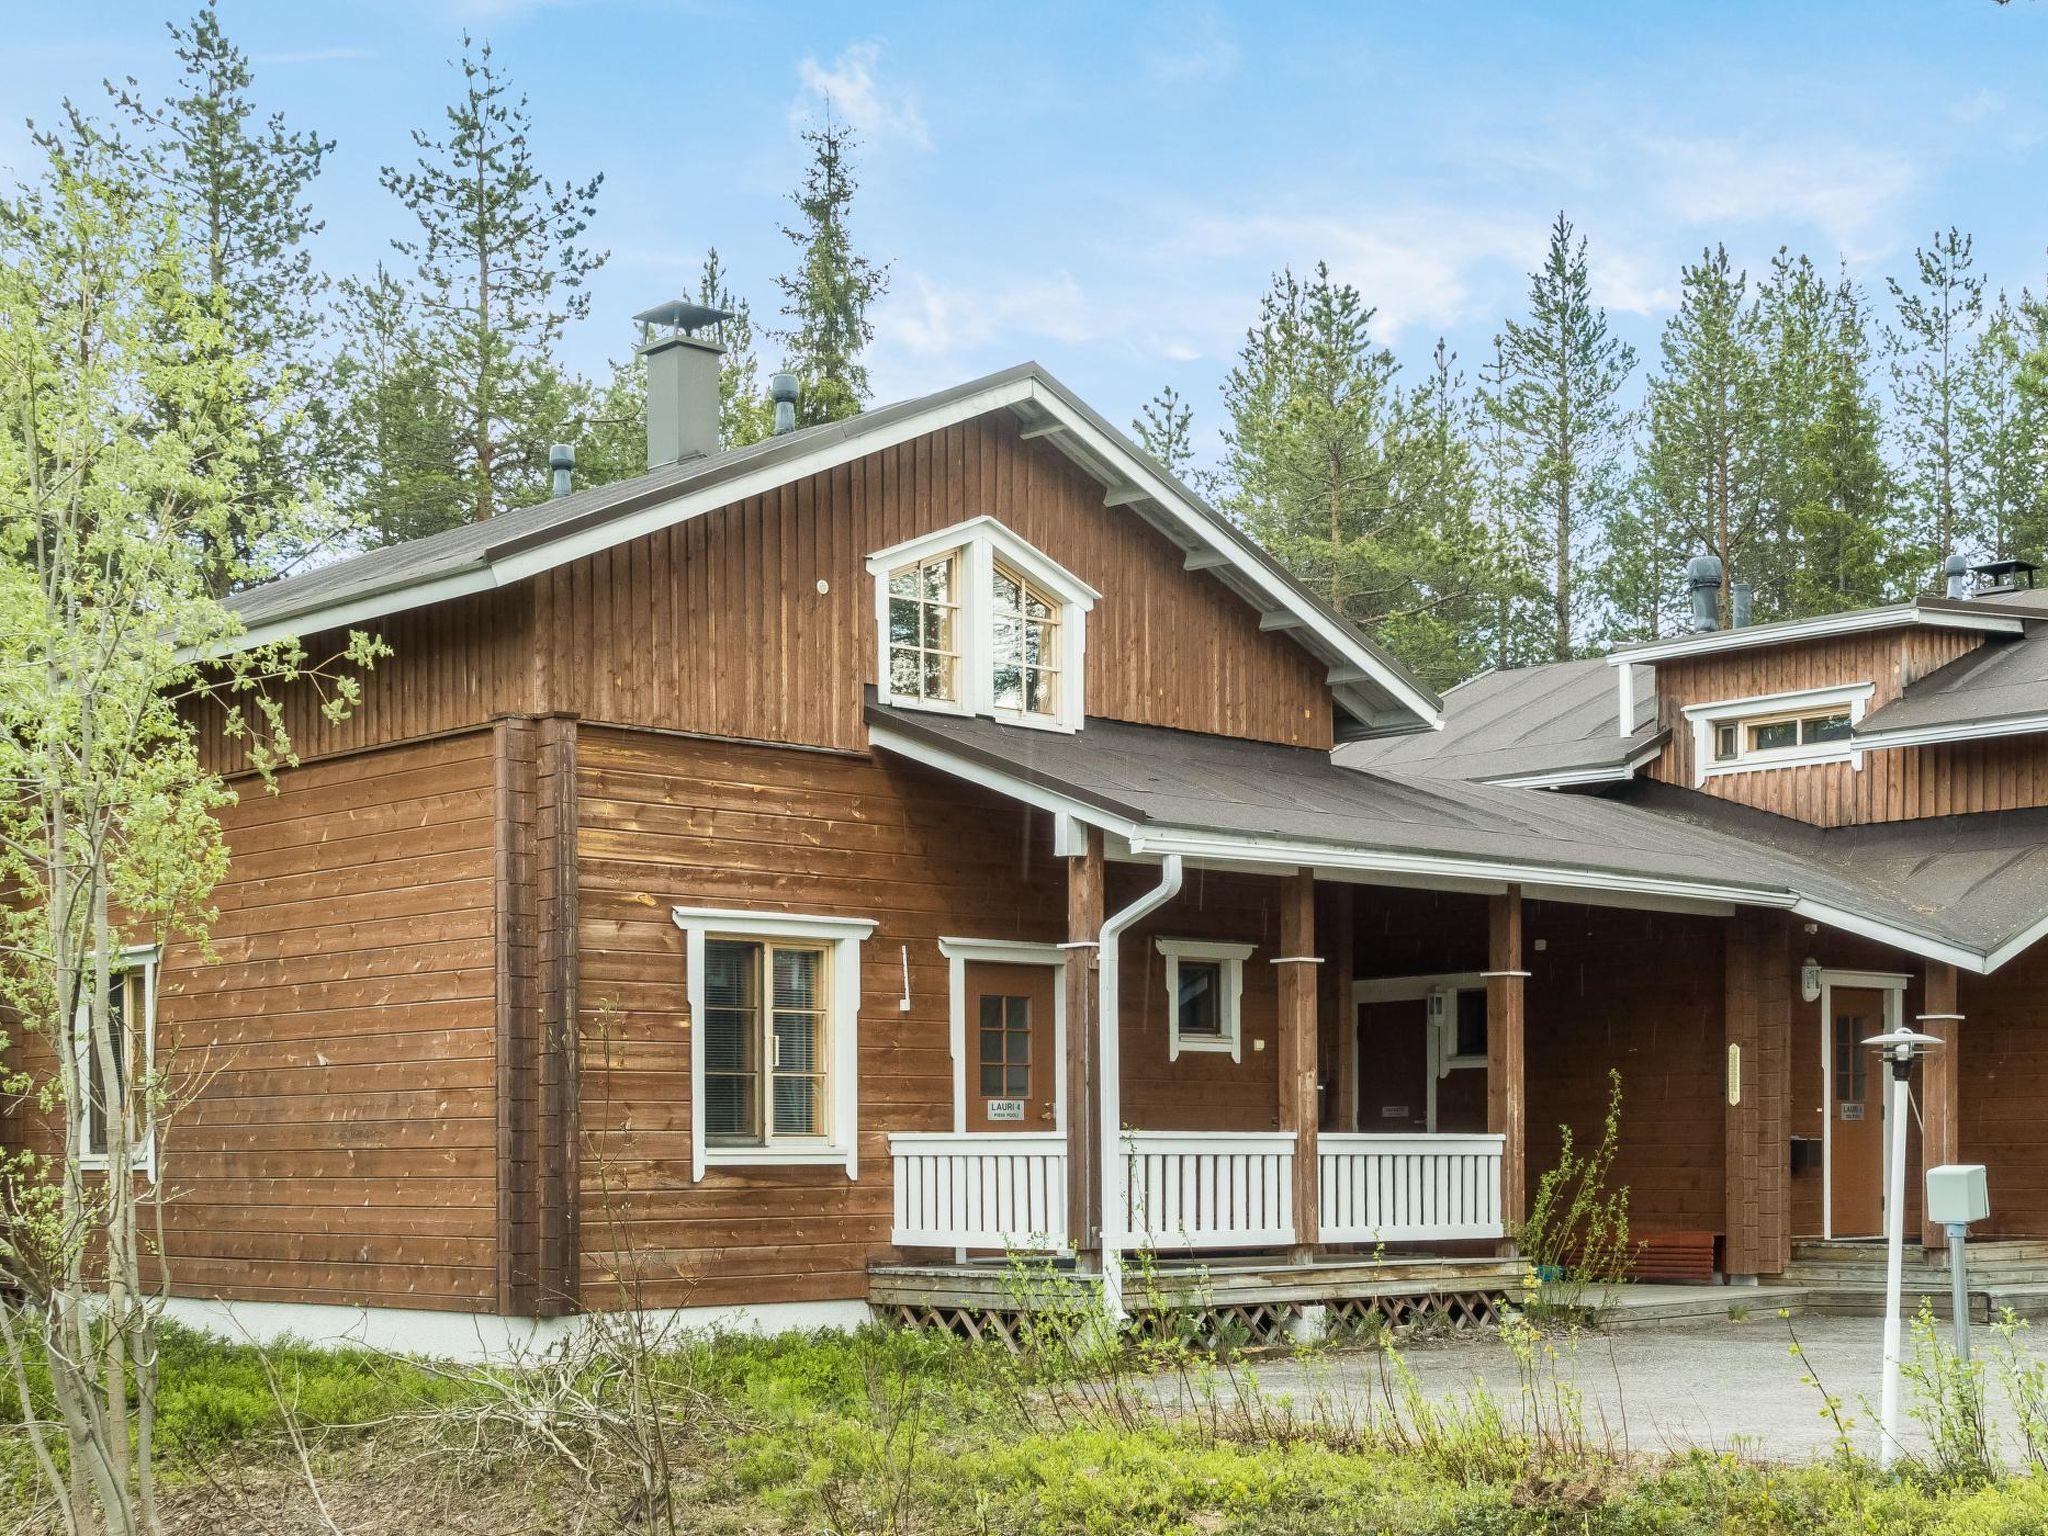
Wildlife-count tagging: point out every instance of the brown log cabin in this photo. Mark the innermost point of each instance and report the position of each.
(777, 886)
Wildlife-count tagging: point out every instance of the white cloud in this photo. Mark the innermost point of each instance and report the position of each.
(1629, 282)
(932, 319)
(1201, 51)
(849, 88)
(1851, 194)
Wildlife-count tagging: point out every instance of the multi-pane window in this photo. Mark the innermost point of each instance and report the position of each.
(101, 1099)
(1783, 730)
(1852, 1061)
(924, 629)
(1026, 659)
(764, 1040)
(1005, 1047)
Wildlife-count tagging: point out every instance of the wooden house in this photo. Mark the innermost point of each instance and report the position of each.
(778, 885)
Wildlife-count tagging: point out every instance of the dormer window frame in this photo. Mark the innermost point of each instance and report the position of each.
(1725, 731)
(981, 547)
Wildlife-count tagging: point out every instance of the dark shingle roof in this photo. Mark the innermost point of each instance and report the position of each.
(1999, 680)
(1522, 722)
(1164, 779)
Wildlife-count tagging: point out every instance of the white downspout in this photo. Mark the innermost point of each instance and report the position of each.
(1109, 1086)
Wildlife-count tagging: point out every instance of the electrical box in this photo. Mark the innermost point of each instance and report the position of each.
(1957, 1192)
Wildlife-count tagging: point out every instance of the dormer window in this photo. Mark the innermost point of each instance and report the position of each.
(973, 620)
(1784, 730)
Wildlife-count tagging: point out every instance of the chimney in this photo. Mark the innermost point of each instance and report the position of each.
(1741, 599)
(1703, 584)
(682, 380)
(782, 390)
(1955, 577)
(562, 460)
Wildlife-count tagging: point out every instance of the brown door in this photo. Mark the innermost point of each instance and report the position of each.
(1855, 1114)
(1393, 1066)
(1011, 1070)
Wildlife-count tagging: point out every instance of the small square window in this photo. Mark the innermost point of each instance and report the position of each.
(1725, 738)
(1204, 982)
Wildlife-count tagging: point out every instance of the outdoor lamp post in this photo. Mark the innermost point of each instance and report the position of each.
(1899, 1047)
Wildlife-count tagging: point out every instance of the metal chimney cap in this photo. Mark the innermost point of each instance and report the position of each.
(683, 315)
(1703, 571)
(783, 386)
(562, 456)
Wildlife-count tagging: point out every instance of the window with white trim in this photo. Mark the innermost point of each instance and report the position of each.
(774, 1036)
(131, 1033)
(1458, 1014)
(1782, 730)
(973, 620)
(1204, 996)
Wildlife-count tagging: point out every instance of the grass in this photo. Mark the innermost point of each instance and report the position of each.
(878, 1432)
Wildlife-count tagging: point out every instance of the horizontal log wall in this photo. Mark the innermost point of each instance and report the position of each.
(1894, 784)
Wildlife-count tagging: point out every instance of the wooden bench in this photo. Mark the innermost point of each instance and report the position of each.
(1684, 1258)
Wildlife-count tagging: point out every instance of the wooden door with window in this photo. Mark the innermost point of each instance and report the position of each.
(1012, 1071)
(1855, 1113)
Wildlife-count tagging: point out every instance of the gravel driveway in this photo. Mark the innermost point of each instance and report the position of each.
(1722, 1385)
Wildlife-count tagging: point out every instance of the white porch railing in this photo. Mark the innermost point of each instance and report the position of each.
(1209, 1189)
(1005, 1190)
(1408, 1188)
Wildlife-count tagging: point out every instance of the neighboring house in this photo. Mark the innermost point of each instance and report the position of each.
(777, 883)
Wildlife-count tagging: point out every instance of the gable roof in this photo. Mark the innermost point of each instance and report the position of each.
(1163, 791)
(1544, 726)
(1375, 690)
(1923, 612)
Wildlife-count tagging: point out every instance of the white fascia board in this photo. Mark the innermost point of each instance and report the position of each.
(774, 925)
(1197, 845)
(1606, 773)
(1939, 735)
(1008, 785)
(2025, 939)
(1924, 945)
(1856, 621)
(1198, 522)
(356, 610)
(1775, 703)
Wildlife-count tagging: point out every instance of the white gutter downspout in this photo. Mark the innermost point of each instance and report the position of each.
(1109, 1087)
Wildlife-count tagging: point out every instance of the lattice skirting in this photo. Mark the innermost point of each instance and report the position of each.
(1235, 1325)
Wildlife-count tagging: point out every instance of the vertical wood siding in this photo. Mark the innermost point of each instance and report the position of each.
(1894, 784)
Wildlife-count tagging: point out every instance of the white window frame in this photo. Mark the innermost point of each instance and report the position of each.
(981, 543)
(1705, 720)
(1229, 959)
(842, 937)
(146, 958)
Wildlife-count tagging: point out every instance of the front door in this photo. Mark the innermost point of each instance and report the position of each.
(1011, 1065)
(1855, 1113)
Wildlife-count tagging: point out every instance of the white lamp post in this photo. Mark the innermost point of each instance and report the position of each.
(1899, 1047)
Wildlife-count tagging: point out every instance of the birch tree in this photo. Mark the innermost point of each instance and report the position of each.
(124, 493)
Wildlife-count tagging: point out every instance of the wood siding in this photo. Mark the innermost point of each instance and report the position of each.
(1894, 784)
(2002, 1071)
(717, 625)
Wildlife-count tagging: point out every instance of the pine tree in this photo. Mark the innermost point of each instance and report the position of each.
(2005, 433)
(1930, 348)
(1560, 402)
(1357, 486)
(1829, 493)
(1705, 461)
(240, 182)
(745, 413)
(500, 270)
(1515, 622)
(827, 298)
(1164, 428)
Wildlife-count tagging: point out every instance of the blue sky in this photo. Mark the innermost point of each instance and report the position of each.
(1108, 188)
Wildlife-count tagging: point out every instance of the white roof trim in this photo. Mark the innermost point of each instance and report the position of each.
(1009, 546)
(1569, 778)
(1348, 660)
(1855, 621)
(1936, 735)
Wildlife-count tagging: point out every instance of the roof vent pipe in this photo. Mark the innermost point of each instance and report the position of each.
(1955, 576)
(782, 390)
(682, 380)
(1703, 585)
(562, 460)
(1741, 599)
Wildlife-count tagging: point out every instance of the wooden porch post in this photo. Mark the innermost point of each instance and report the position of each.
(1084, 932)
(1506, 1106)
(1340, 969)
(1297, 1065)
(1757, 983)
(1940, 1073)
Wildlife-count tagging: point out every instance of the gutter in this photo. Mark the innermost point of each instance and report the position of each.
(1109, 1088)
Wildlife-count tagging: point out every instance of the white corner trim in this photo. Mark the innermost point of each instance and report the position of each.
(1229, 960)
(845, 935)
(1625, 702)
(961, 953)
